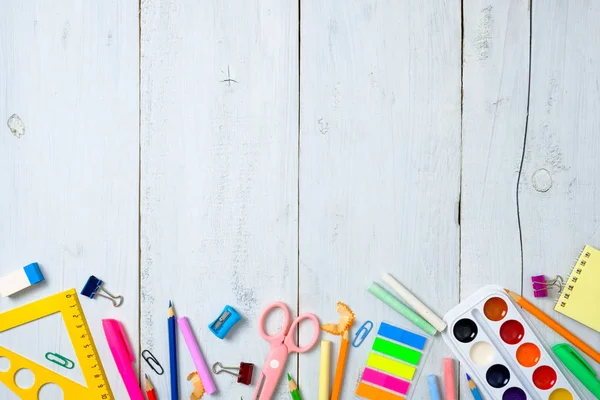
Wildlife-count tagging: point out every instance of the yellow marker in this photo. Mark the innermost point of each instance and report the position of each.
(67, 304)
(324, 374)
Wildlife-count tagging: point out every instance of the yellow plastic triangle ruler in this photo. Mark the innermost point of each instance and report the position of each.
(67, 304)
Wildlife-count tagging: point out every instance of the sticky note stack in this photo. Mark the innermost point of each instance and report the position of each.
(20, 279)
(392, 363)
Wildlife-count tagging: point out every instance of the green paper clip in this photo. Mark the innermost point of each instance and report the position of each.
(60, 360)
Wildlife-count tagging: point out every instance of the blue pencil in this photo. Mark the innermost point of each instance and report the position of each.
(473, 387)
(173, 353)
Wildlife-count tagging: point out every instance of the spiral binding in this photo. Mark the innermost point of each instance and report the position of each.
(577, 269)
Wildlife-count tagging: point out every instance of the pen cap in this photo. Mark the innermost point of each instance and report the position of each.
(117, 341)
(578, 367)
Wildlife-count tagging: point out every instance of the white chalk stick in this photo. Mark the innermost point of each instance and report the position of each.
(415, 303)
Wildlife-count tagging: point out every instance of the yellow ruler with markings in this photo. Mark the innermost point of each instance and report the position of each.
(67, 304)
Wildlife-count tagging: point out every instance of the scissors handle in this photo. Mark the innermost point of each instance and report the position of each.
(290, 340)
(279, 336)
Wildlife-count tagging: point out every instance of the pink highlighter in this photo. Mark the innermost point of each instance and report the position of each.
(119, 347)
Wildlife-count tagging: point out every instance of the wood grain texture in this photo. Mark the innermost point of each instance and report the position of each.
(69, 184)
(495, 79)
(235, 203)
(495, 90)
(219, 175)
(561, 175)
(379, 163)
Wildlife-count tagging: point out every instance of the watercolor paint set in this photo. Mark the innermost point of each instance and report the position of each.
(502, 351)
(392, 366)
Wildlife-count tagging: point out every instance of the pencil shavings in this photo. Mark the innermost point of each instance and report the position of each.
(198, 386)
(345, 322)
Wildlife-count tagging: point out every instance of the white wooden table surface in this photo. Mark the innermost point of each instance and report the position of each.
(245, 151)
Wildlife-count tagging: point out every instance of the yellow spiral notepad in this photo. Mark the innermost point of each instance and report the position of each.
(580, 296)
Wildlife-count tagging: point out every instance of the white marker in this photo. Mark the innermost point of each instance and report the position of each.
(20, 279)
(415, 303)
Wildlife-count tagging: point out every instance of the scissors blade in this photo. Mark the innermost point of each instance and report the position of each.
(261, 384)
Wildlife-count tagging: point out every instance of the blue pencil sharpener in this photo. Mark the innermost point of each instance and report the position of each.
(221, 326)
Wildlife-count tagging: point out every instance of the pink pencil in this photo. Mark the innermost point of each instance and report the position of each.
(449, 379)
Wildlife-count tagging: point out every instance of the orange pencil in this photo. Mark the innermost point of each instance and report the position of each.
(341, 364)
(555, 326)
(150, 389)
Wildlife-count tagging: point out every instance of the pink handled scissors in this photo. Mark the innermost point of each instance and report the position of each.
(282, 343)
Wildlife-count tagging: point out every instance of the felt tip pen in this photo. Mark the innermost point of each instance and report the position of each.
(578, 367)
(121, 352)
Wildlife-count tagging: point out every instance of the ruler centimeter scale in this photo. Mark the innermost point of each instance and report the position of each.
(67, 303)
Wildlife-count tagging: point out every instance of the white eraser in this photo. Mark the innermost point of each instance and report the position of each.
(20, 279)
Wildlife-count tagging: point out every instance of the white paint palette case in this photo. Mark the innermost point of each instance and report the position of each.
(504, 354)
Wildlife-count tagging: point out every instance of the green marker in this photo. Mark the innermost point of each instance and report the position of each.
(403, 310)
(578, 367)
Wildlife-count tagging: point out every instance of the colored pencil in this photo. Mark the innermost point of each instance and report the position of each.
(150, 392)
(555, 326)
(173, 353)
(473, 387)
(294, 389)
(340, 367)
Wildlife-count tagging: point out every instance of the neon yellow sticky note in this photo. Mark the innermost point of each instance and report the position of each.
(390, 366)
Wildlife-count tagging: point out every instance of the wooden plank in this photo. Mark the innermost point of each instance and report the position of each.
(69, 184)
(495, 78)
(379, 163)
(560, 183)
(495, 89)
(219, 175)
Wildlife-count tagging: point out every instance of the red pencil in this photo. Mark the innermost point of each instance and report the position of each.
(150, 389)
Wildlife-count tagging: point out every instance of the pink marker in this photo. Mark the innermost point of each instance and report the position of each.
(449, 379)
(119, 347)
(192, 344)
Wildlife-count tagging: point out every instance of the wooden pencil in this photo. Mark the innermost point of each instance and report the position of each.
(293, 389)
(173, 353)
(150, 392)
(341, 366)
(555, 326)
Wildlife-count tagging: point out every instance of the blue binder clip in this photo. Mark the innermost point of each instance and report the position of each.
(221, 326)
(94, 285)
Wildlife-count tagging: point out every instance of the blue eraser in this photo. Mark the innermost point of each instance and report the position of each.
(34, 274)
(226, 320)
